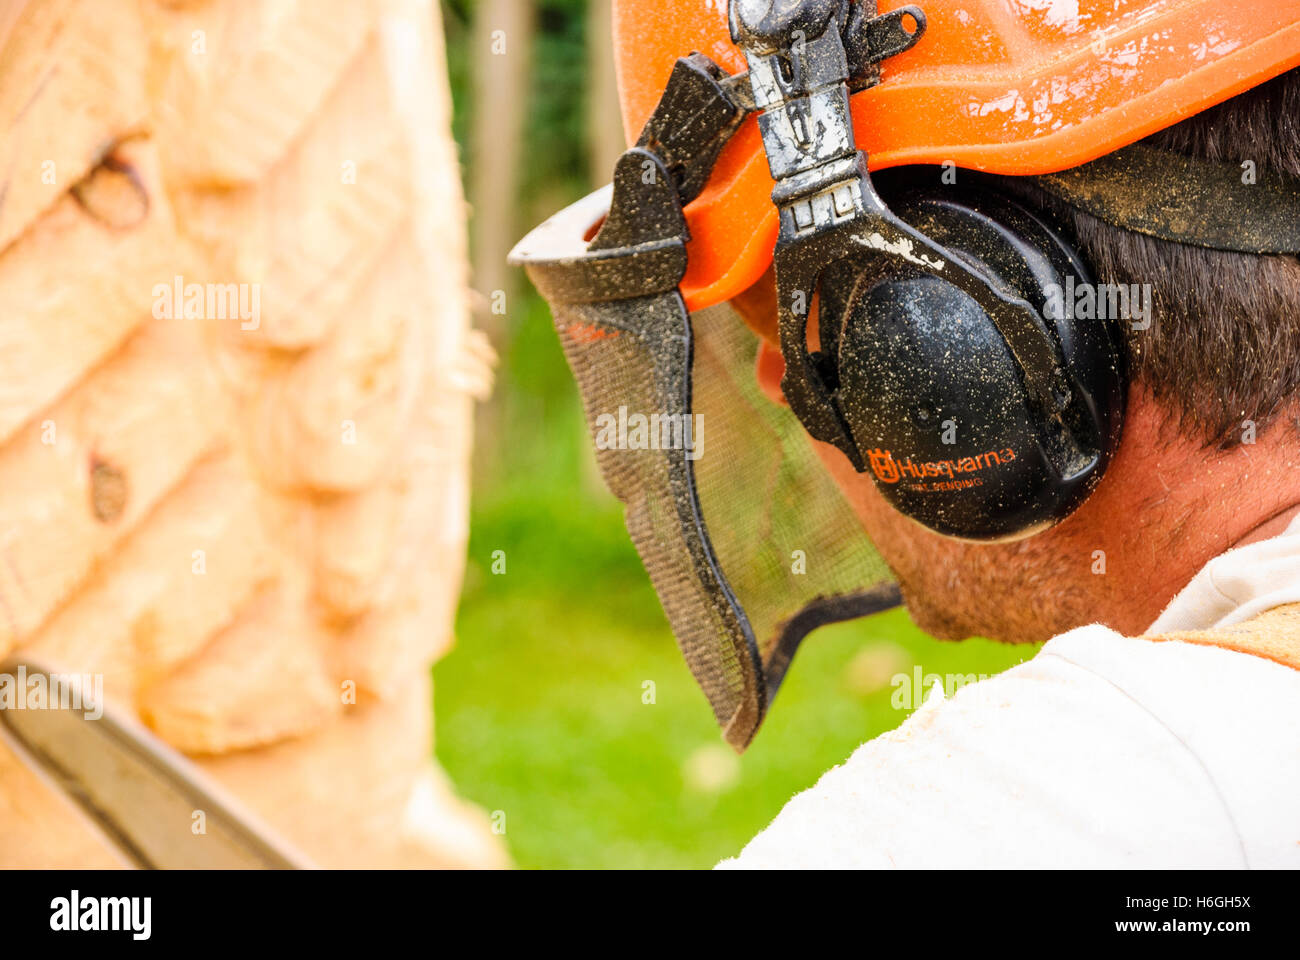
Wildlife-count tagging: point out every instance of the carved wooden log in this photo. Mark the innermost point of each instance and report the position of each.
(236, 386)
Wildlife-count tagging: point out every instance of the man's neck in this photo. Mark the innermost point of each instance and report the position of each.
(1186, 506)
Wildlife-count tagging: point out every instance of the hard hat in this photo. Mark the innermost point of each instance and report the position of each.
(1006, 86)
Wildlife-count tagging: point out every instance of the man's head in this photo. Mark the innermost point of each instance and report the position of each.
(752, 151)
(1210, 453)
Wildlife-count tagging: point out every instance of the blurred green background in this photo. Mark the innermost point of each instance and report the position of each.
(539, 709)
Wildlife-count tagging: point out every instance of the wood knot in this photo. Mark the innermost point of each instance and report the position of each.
(107, 490)
(113, 192)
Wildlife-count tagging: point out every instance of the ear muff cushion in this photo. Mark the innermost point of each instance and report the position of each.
(932, 392)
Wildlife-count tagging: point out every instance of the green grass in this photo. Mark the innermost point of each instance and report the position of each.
(539, 708)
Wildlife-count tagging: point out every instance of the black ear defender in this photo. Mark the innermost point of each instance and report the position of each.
(934, 397)
(935, 365)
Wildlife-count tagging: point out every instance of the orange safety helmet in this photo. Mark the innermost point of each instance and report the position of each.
(1007, 86)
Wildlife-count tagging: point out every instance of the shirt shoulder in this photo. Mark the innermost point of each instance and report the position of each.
(1102, 751)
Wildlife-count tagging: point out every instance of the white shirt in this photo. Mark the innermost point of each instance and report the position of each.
(1101, 751)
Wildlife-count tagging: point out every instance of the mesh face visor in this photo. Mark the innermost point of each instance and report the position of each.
(748, 542)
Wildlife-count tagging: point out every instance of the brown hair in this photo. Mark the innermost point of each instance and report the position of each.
(1224, 346)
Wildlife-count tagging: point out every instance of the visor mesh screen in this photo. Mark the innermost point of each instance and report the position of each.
(630, 365)
(778, 551)
(785, 536)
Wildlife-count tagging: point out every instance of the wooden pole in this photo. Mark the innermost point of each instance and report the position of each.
(502, 58)
(604, 118)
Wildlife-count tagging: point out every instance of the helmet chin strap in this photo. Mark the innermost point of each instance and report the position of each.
(1201, 203)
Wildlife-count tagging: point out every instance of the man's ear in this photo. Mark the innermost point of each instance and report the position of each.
(769, 368)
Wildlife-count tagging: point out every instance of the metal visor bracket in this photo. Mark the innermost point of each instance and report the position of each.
(832, 218)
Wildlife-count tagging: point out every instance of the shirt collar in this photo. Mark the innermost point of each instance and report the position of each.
(1238, 585)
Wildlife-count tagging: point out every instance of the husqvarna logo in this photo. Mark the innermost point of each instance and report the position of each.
(937, 474)
(882, 463)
